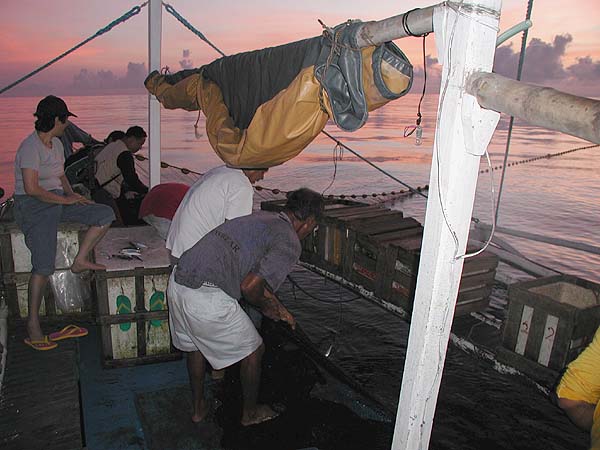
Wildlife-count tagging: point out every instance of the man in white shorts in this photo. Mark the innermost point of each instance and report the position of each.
(223, 193)
(249, 256)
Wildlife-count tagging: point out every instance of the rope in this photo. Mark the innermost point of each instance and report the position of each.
(392, 194)
(128, 15)
(341, 144)
(189, 26)
(548, 156)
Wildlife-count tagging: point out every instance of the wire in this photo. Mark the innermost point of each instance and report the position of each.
(493, 193)
(411, 129)
(412, 189)
(338, 154)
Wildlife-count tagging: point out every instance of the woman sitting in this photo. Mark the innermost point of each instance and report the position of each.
(44, 198)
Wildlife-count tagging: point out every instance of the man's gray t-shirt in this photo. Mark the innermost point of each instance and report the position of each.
(264, 243)
(48, 162)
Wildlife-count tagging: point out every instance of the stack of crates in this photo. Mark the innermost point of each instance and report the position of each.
(15, 266)
(550, 321)
(384, 256)
(325, 247)
(379, 249)
(131, 297)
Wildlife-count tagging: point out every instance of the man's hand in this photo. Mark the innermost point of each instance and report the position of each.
(277, 310)
(286, 316)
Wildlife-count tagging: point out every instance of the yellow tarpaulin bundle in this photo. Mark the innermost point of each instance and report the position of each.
(283, 126)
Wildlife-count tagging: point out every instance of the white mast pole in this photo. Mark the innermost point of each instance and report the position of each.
(154, 46)
(465, 33)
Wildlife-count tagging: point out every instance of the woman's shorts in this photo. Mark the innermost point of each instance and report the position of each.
(39, 221)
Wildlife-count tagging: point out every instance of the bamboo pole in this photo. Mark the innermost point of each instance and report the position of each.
(542, 106)
(418, 21)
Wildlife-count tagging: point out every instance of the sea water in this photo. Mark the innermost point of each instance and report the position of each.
(556, 197)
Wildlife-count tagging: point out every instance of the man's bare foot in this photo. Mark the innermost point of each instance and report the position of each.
(84, 264)
(260, 414)
(201, 412)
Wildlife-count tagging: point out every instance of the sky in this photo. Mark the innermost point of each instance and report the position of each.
(563, 50)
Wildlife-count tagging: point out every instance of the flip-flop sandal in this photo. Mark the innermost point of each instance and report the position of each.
(157, 303)
(41, 345)
(124, 307)
(70, 331)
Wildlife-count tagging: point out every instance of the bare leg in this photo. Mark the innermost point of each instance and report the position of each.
(196, 365)
(250, 369)
(91, 238)
(37, 285)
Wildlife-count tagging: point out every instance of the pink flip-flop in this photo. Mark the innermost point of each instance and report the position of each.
(70, 331)
(41, 345)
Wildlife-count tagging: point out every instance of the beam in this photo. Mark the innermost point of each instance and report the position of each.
(418, 21)
(575, 245)
(154, 47)
(541, 106)
(465, 35)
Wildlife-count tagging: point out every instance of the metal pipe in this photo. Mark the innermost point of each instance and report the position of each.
(418, 21)
(154, 47)
(541, 106)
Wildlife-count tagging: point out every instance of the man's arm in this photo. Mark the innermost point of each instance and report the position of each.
(33, 188)
(126, 165)
(256, 291)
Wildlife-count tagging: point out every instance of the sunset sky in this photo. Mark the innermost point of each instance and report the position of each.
(564, 42)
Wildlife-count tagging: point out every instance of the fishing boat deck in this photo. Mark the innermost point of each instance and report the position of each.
(39, 406)
(147, 407)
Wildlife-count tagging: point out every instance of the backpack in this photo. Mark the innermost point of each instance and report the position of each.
(80, 167)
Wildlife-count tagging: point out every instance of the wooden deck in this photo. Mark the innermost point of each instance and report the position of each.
(33, 381)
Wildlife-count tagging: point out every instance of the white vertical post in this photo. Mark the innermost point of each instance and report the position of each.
(465, 34)
(154, 46)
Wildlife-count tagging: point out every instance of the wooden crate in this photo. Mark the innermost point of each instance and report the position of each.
(383, 257)
(325, 246)
(16, 258)
(16, 288)
(335, 228)
(366, 256)
(550, 321)
(132, 304)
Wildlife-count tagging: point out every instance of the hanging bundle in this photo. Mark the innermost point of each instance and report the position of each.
(264, 107)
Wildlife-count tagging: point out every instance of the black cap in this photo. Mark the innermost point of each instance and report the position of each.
(52, 106)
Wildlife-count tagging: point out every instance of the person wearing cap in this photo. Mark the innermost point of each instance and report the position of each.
(248, 256)
(116, 173)
(44, 198)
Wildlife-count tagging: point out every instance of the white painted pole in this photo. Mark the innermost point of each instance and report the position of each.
(154, 46)
(465, 34)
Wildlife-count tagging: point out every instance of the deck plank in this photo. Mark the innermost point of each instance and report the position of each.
(39, 402)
